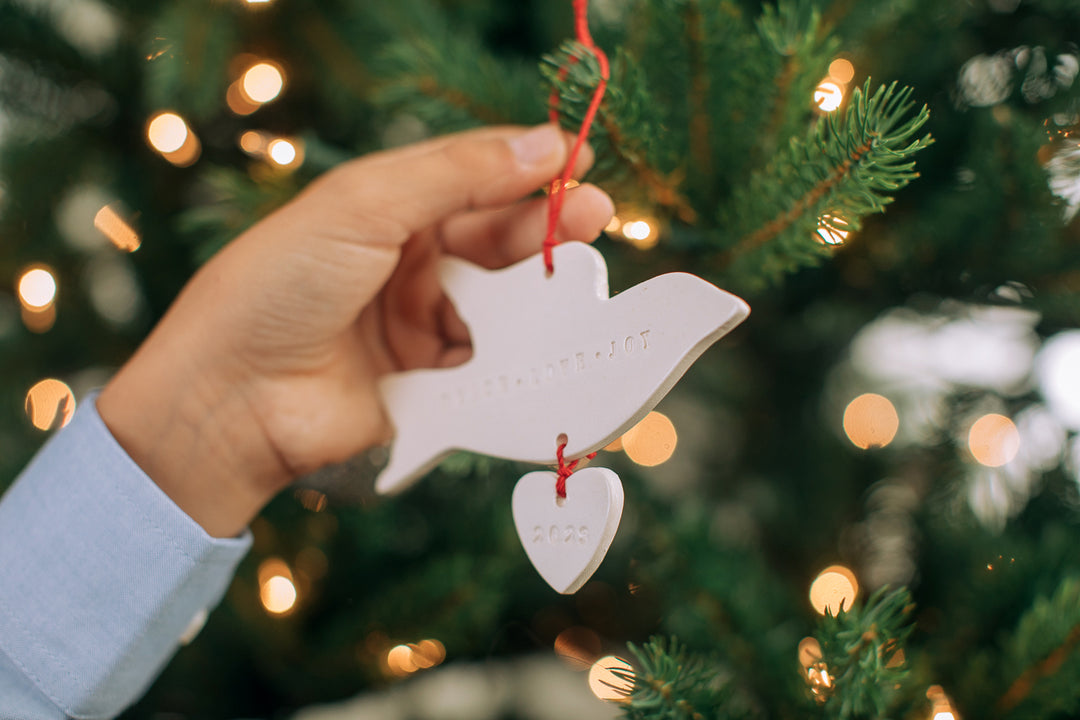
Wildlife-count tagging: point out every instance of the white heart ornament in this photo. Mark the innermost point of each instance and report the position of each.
(566, 539)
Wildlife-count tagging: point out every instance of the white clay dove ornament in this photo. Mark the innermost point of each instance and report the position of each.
(552, 355)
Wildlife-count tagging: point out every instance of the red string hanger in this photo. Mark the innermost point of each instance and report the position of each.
(557, 191)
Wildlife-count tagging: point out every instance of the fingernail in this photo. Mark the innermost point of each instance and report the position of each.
(537, 144)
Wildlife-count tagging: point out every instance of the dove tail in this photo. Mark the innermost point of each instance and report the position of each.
(418, 446)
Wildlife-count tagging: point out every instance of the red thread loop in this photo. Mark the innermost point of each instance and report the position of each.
(565, 469)
(557, 190)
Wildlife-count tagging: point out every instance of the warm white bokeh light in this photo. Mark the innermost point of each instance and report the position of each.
(870, 420)
(253, 142)
(50, 404)
(1056, 369)
(428, 653)
(834, 588)
(652, 441)
(841, 70)
(37, 288)
(828, 96)
(114, 227)
(832, 230)
(278, 594)
(282, 152)
(605, 684)
(262, 82)
(809, 651)
(993, 440)
(167, 132)
(637, 230)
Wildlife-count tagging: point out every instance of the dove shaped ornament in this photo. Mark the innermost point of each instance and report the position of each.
(555, 359)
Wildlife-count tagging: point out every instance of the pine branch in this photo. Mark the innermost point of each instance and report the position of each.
(1041, 656)
(669, 684)
(857, 646)
(792, 29)
(700, 143)
(475, 88)
(845, 168)
(627, 128)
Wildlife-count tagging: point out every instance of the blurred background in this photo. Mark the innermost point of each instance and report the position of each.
(900, 409)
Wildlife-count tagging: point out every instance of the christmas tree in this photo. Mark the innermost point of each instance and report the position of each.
(863, 503)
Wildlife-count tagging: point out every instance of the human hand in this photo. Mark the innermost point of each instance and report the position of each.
(265, 368)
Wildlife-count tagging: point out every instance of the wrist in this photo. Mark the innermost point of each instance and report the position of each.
(194, 435)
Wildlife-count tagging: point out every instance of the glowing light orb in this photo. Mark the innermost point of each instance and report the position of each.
(832, 230)
(428, 653)
(37, 288)
(652, 441)
(605, 683)
(828, 96)
(809, 651)
(253, 142)
(282, 152)
(841, 70)
(614, 225)
(637, 230)
(278, 594)
(870, 420)
(400, 660)
(834, 588)
(993, 440)
(1056, 371)
(167, 132)
(50, 404)
(114, 227)
(262, 82)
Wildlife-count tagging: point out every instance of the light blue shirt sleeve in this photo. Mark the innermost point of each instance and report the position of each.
(100, 574)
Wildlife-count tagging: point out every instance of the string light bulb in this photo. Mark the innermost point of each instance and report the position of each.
(50, 404)
(286, 153)
(408, 658)
(640, 233)
(166, 132)
(832, 230)
(262, 82)
(608, 679)
(841, 70)
(109, 222)
(993, 440)
(277, 589)
(652, 441)
(171, 136)
(828, 96)
(871, 421)
(37, 288)
(820, 681)
(834, 588)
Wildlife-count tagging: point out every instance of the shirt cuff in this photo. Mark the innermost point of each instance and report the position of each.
(102, 572)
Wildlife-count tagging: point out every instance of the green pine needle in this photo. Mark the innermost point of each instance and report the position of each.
(1042, 665)
(844, 169)
(858, 650)
(670, 684)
